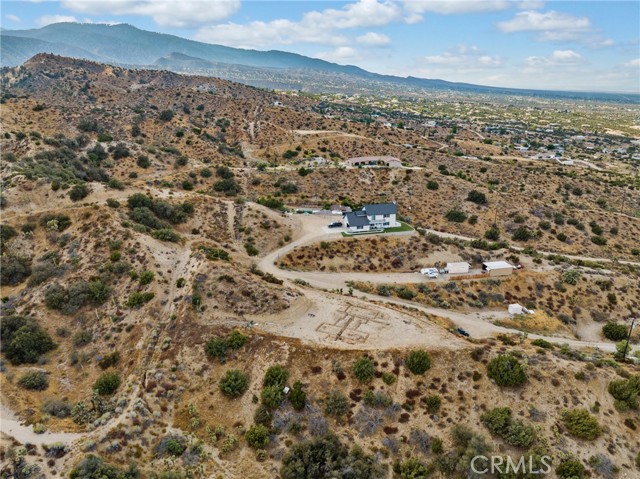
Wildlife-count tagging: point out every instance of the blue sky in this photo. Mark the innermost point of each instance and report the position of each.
(576, 45)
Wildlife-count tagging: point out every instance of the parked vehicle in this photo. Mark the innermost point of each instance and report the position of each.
(431, 273)
(462, 332)
(335, 224)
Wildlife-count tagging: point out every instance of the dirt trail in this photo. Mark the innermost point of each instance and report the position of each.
(480, 324)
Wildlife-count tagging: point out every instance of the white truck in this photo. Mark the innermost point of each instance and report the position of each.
(431, 273)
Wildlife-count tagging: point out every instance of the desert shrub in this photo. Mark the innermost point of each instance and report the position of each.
(614, 331)
(107, 383)
(433, 403)
(78, 192)
(581, 424)
(235, 339)
(145, 277)
(519, 434)
(497, 420)
(57, 407)
(216, 348)
(257, 436)
(263, 415)
(234, 383)
(541, 343)
(138, 299)
(625, 392)
(456, 216)
(522, 234)
(272, 396)
(6, 233)
(34, 380)
(15, 269)
(82, 338)
(228, 186)
(326, 457)
(93, 467)
(297, 396)
(166, 115)
(166, 234)
(492, 233)
(412, 468)
(363, 369)
(270, 202)
(477, 197)
(112, 203)
(377, 399)
(506, 371)
(432, 185)
(109, 360)
(336, 404)
(571, 469)
(42, 272)
(23, 340)
(276, 375)
(418, 362)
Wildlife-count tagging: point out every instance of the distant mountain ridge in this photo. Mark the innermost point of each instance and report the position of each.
(127, 45)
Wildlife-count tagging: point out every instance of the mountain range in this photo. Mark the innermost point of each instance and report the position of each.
(128, 46)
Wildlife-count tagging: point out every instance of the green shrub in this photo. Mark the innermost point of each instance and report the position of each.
(15, 269)
(497, 420)
(138, 299)
(235, 339)
(522, 234)
(492, 234)
(364, 369)
(297, 396)
(234, 383)
(506, 371)
(477, 197)
(82, 338)
(581, 424)
(541, 343)
(59, 408)
(571, 469)
(107, 383)
(257, 436)
(23, 340)
(519, 434)
(614, 331)
(166, 234)
(145, 277)
(418, 362)
(336, 404)
(432, 185)
(175, 447)
(272, 396)
(79, 192)
(433, 403)
(276, 375)
(216, 348)
(34, 381)
(93, 467)
(377, 399)
(626, 392)
(412, 468)
(456, 216)
(166, 115)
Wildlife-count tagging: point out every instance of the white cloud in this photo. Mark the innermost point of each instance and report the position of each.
(373, 39)
(313, 27)
(339, 55)
(170, 13)
(551, 21)
(462, 57)
(13, 18)
(452, 7)
(633, 63)
(557, 58)
(49, 19)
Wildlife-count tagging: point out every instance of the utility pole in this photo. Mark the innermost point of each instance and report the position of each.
(626, 347)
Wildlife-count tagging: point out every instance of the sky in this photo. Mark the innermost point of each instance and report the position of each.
(564, 45)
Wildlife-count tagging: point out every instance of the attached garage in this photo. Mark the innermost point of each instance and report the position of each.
(458, 268)
(497, 268)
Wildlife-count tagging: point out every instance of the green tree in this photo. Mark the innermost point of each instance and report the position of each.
(257, 436)
(234, 383)
(364, 369)
(506, 371)
(418, 362)
(107, 383)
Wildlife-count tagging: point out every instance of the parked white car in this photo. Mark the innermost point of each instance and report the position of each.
(431, 273)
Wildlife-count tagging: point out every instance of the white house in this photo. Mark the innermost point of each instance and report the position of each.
(372, 217)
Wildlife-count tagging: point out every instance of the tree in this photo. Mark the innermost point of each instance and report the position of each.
(107, 383)
(625, 392)
(506, 371)
(234, 383)
(14, 270)
(272, 396)
(522, 234)
(418, 362)
(364, 369)
(492, 234)
(26, 343)
(456, 216)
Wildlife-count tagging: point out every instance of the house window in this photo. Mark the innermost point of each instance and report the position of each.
(359, 227)
(386, 216)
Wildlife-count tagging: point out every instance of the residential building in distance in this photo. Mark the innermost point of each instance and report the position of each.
(375, 217)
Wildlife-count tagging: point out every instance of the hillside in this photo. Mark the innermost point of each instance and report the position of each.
(160, 292)
(124, 44)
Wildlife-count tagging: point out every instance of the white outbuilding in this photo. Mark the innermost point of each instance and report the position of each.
(458, 268)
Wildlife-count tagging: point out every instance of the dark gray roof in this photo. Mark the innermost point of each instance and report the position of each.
(354, 219)
(381, 209)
